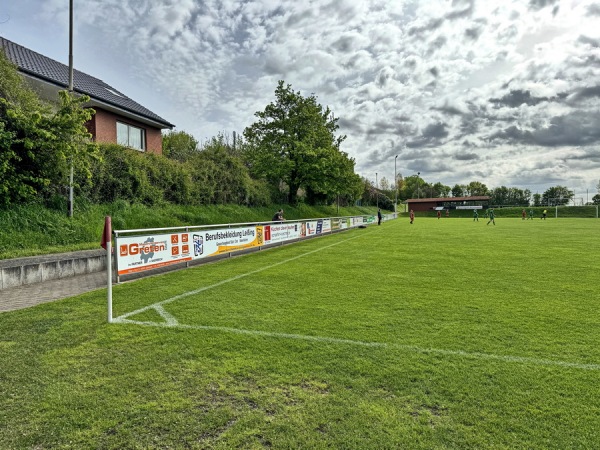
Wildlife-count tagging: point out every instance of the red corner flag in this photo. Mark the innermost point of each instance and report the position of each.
(106, 233)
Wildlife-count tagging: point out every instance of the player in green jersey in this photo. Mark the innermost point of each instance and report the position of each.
(491, 215)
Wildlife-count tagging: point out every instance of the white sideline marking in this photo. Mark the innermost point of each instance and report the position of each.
(411, 348)
(220, 283)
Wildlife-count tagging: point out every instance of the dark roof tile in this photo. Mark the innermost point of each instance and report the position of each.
(47, 69)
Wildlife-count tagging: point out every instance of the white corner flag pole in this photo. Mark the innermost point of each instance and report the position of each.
(107, 244)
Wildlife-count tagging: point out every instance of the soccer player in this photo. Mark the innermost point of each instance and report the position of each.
(439, 214)
(530, 214)
(447, 213)
(379, 216)
(412, 216)
(475, 215)
(491, 213)
(524, 214)
(544, 214)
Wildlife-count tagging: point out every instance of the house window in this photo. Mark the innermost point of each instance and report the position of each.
(131, 136)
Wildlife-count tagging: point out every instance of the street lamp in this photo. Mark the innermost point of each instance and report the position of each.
(418, 193)
(395, 185)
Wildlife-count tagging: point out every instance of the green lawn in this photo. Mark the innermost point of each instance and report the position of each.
(442, 334)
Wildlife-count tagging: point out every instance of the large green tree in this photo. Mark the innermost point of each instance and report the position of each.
(510, 196)
(477, 188)
(294, 146)
(557, 195)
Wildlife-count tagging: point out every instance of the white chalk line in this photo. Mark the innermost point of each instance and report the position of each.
(229, 280)
(410, 348)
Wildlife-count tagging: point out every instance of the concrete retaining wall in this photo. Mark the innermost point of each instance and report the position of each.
(20, 271)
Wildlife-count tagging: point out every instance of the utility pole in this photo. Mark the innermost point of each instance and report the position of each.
(418, 193)
(70, 93)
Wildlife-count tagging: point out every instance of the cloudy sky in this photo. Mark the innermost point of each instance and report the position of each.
(506, 92)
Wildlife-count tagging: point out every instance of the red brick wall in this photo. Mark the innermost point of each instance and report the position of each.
(103, 128)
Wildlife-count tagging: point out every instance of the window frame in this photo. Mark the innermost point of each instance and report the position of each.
(130, 127)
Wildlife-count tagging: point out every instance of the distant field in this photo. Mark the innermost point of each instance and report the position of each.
(441, 334)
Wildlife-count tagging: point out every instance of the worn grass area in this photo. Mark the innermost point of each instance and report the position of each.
(441, 334)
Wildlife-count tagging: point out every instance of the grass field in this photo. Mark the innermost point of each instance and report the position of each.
(442, 334)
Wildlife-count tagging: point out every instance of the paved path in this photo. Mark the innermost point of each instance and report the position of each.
(33, 294)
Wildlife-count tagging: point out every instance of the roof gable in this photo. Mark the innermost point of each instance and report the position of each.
(49, 70)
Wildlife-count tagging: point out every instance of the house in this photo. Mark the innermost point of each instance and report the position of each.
(118, 118)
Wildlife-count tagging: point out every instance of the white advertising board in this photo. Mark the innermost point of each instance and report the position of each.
(140, 253)
(281, 232)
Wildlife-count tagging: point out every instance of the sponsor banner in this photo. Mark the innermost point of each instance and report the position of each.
(310, 228)
(356, 221)
(470, 207)
(139, 253)
(281, 232)
(371, 219)
(226, 240)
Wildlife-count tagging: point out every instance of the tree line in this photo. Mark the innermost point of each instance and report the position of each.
(415, 187)
(291, 153)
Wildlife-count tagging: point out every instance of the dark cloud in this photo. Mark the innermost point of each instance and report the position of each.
(298, 19)
(469, 126)
(589, 155)
(517, 97)
(512, 134)
(577, 129)
(431, 26)
(430, 137)
(588, 41)
(434, 71)
(430, 165)
(450, 110)
(435, 45)
(434, 24)
(435, 131)
(350, 126)
(345, 44)
(473, 33)
(540, 4)
(460, 13)
(585, 93)
(594, 9)
(466, 156)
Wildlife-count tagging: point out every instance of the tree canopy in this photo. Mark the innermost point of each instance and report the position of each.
(293, 145)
